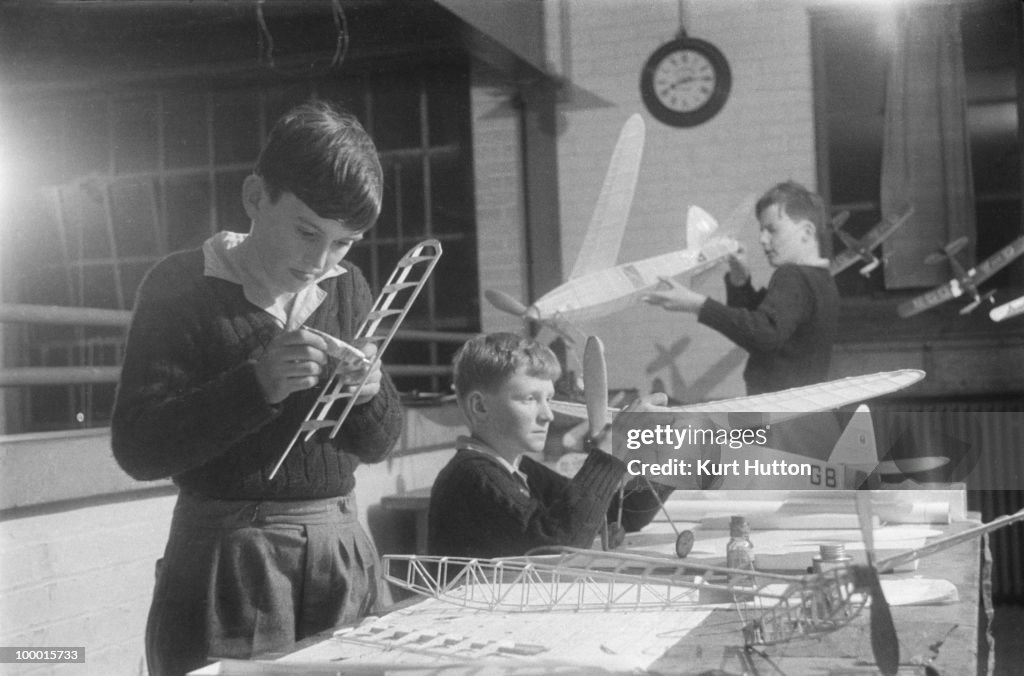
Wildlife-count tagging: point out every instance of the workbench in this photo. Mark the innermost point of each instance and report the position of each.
(950, 639)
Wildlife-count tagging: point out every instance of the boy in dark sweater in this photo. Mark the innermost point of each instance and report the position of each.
(492, 499)
(225, 357)
(788, 328)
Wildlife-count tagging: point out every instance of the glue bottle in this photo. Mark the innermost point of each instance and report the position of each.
(739, 553)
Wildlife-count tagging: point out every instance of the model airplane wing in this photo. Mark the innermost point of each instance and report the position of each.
(954, 288)
(874, 237)
(926, 301)
(778, 406)
(999, 260)
(601, 244)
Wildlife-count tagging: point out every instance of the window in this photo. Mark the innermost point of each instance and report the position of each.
(123, 176)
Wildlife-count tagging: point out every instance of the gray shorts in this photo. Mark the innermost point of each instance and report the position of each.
(240, 578)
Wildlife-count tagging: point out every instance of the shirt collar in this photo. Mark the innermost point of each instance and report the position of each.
(221, 260)
(464, 443)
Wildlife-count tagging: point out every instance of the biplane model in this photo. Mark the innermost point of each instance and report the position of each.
(1007, 310)
(863, 249)
(596, 286)
(965, 280)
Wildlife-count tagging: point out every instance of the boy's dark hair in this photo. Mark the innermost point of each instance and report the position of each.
(800, 204)
(323, 156)
(486, 361)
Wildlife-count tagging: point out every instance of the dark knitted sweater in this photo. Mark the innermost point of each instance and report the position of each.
(788, 328)
(478, 510)
(189, 406)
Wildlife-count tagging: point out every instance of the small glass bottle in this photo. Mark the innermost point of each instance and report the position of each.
(739, 553)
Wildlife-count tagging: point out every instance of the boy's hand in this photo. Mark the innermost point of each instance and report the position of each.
(673, 296)
(293, 361)
(739, 271)
(353, 377)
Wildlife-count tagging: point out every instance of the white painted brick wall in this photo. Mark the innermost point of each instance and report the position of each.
(500, 215)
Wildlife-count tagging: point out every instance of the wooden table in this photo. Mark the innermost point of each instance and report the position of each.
(951, 639)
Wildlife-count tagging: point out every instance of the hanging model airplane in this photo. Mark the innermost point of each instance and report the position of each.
(596, 286)
(1007, 310)
(862, 249)
(965, 280)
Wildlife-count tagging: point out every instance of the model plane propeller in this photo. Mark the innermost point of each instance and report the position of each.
(596, 286)
(863, 249)
(884, 644)
(965, 281)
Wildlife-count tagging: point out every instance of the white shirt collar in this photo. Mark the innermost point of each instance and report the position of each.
(221, 260)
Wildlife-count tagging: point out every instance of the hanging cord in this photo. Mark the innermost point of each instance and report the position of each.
(682, 19)
(265, 40)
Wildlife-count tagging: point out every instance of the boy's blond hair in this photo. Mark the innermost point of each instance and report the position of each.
(486, 361)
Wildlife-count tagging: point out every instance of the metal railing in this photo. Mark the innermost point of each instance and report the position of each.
(77, 375)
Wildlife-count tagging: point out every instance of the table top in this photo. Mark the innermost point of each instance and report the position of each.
(679, 641)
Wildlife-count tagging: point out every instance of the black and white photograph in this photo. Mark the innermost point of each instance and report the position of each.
(511, 336)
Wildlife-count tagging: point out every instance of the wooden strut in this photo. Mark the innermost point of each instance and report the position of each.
(420, 259)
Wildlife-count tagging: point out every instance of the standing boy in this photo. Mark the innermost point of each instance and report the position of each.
(788, 328)
(219, 373)
(492, 499)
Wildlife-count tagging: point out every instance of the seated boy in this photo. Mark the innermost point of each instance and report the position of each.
(492, 499)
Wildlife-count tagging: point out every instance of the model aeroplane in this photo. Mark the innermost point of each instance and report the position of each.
(862, 249)
(964, 281)
(1007, 310)
(596, 286)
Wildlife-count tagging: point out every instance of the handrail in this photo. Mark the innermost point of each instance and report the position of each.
(83, 375)
(23, 313)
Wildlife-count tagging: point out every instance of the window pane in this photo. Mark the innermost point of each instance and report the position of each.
(133, 202)
(236, 131)
(230, 212)
(185, 130)
(188, 211)
(135, 128)
(396, 112)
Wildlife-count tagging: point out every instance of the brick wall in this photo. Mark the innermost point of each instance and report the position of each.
(498, 176)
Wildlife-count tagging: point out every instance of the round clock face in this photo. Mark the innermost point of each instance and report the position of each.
(685, 82)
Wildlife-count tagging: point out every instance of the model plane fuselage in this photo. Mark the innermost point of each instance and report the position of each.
(606, 291)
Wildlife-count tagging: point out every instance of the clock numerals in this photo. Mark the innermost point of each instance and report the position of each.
(685, 82)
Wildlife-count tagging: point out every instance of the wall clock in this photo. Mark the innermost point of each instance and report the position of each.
(685, 82)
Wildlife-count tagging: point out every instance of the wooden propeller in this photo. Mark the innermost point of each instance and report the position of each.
(884, 643)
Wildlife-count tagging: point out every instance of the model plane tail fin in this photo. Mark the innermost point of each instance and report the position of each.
(856, 445)
(700, 226)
